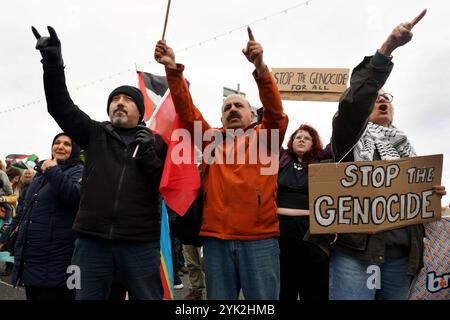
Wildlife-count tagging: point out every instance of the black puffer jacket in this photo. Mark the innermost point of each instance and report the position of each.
(119, 196)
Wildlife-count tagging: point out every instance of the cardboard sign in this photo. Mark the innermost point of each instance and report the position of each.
(311, 96)
(373, 196)
(311, 84)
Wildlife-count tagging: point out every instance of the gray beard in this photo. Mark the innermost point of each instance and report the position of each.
(118, 121)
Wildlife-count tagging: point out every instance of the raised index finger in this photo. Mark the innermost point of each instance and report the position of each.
(52, 32)
(419, 17)
(35, 32)
(250, 34)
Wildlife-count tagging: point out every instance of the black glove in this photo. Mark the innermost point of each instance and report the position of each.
(50, 47)
(146, 139)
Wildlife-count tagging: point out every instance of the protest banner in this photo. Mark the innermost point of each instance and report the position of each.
(373, 196)
(310, 96)
(311, 84)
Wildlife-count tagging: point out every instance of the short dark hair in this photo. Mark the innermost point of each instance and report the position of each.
(13, 172)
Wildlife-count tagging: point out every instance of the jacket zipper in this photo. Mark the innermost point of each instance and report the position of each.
(119, 187)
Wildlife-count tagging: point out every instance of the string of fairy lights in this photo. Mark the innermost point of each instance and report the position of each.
(194, 45)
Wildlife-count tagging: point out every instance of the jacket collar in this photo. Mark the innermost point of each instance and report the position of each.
(109, 128)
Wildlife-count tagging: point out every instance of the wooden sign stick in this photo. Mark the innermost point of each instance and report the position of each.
(165, 22)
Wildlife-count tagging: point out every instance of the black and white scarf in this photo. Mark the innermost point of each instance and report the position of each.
(390, 142)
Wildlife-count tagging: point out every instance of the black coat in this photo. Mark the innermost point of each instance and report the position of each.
(45, 242)
(349, 124)
(119, 199)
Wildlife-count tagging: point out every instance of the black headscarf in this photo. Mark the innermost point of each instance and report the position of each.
(74, 157)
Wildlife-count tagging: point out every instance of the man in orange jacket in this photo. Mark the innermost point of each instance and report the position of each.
(240, 222)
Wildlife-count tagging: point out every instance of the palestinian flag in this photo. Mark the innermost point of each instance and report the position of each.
(180, 183)
(153, 89)
(22, 161)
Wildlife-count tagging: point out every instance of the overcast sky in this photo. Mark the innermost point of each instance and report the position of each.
(102, 41)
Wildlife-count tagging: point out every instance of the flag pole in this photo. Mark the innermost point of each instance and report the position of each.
(167, 18)
(163, 35)
(137, 147)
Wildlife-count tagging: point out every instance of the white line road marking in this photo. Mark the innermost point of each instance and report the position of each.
(6, 284)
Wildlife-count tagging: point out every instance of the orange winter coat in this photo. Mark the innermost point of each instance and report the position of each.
(239, 201)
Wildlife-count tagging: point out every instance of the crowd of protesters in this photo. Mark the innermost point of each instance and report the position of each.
(103, 215)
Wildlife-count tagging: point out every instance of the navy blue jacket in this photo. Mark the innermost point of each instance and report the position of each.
(45, 242)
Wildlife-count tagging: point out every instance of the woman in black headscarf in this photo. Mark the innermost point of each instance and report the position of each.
(45, 241)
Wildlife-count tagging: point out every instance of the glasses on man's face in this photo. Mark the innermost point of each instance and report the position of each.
(386, 96)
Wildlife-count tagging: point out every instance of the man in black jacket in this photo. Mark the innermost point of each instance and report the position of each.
(118, 221)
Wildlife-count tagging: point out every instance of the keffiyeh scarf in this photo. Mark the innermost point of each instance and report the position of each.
(390, 142)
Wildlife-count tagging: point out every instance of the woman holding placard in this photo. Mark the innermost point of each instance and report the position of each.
(375, 266)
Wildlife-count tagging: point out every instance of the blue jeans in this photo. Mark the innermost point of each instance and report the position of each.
(134, 264)
(350, 278)
(231, 265)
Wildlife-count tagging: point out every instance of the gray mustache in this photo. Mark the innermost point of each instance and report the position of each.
(234, 116)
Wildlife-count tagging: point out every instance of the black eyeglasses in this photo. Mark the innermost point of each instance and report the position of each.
(386, 96)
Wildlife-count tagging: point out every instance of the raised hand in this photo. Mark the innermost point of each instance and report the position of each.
(400, 36)
(254, 52)
(50, 47)
(439, 190)
(165, 55)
